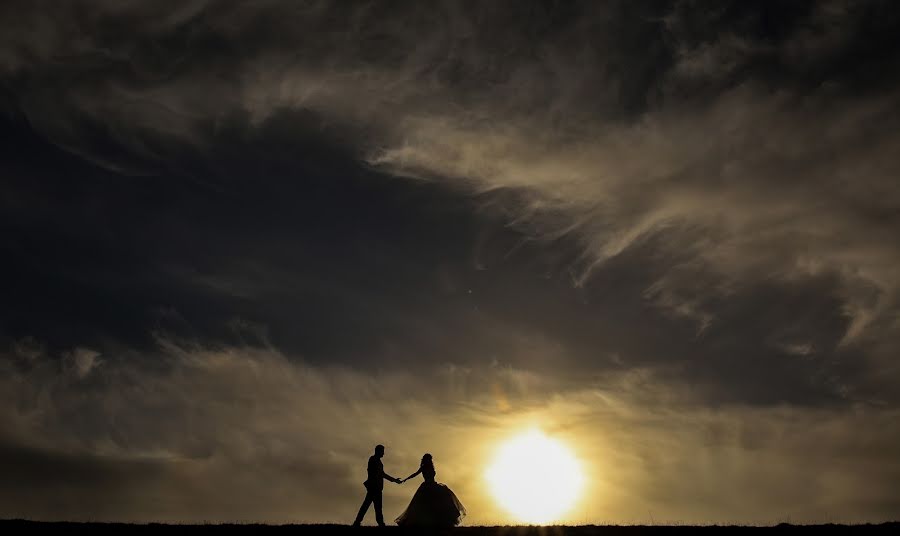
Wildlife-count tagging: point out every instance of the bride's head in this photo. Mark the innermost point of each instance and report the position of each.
(426, 461)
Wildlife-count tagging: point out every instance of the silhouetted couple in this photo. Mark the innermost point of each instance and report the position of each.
(433, 504)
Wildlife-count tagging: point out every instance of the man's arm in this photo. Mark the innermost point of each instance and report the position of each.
(389, 477)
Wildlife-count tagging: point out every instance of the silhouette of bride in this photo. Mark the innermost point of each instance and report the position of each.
(433, 504)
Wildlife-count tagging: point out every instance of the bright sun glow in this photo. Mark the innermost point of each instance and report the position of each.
(535, 478)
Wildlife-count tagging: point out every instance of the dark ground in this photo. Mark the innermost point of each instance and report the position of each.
(20, 526)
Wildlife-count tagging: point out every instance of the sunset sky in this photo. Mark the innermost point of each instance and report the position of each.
(244, 242)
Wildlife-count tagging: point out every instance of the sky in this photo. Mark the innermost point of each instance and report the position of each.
(243, 242)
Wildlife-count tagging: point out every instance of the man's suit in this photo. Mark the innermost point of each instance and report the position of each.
(374, 486)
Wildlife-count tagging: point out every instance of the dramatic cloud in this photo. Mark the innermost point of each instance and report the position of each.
(666, 231)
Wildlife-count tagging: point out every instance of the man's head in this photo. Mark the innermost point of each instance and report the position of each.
(379, 450)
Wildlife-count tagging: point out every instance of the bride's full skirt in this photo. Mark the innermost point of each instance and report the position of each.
(433, 505)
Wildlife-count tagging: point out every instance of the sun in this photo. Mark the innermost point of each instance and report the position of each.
(535, 478)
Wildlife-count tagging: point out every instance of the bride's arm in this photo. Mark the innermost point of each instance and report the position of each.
(414, 474)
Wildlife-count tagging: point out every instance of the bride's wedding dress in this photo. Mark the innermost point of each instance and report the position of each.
(434, 504)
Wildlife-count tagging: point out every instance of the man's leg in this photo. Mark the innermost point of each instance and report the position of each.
(365, 507)
(378, 516)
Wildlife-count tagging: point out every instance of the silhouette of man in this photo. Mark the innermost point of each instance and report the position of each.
(374, 486)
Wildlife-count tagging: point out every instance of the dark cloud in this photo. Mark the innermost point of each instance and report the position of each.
(539, 208)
